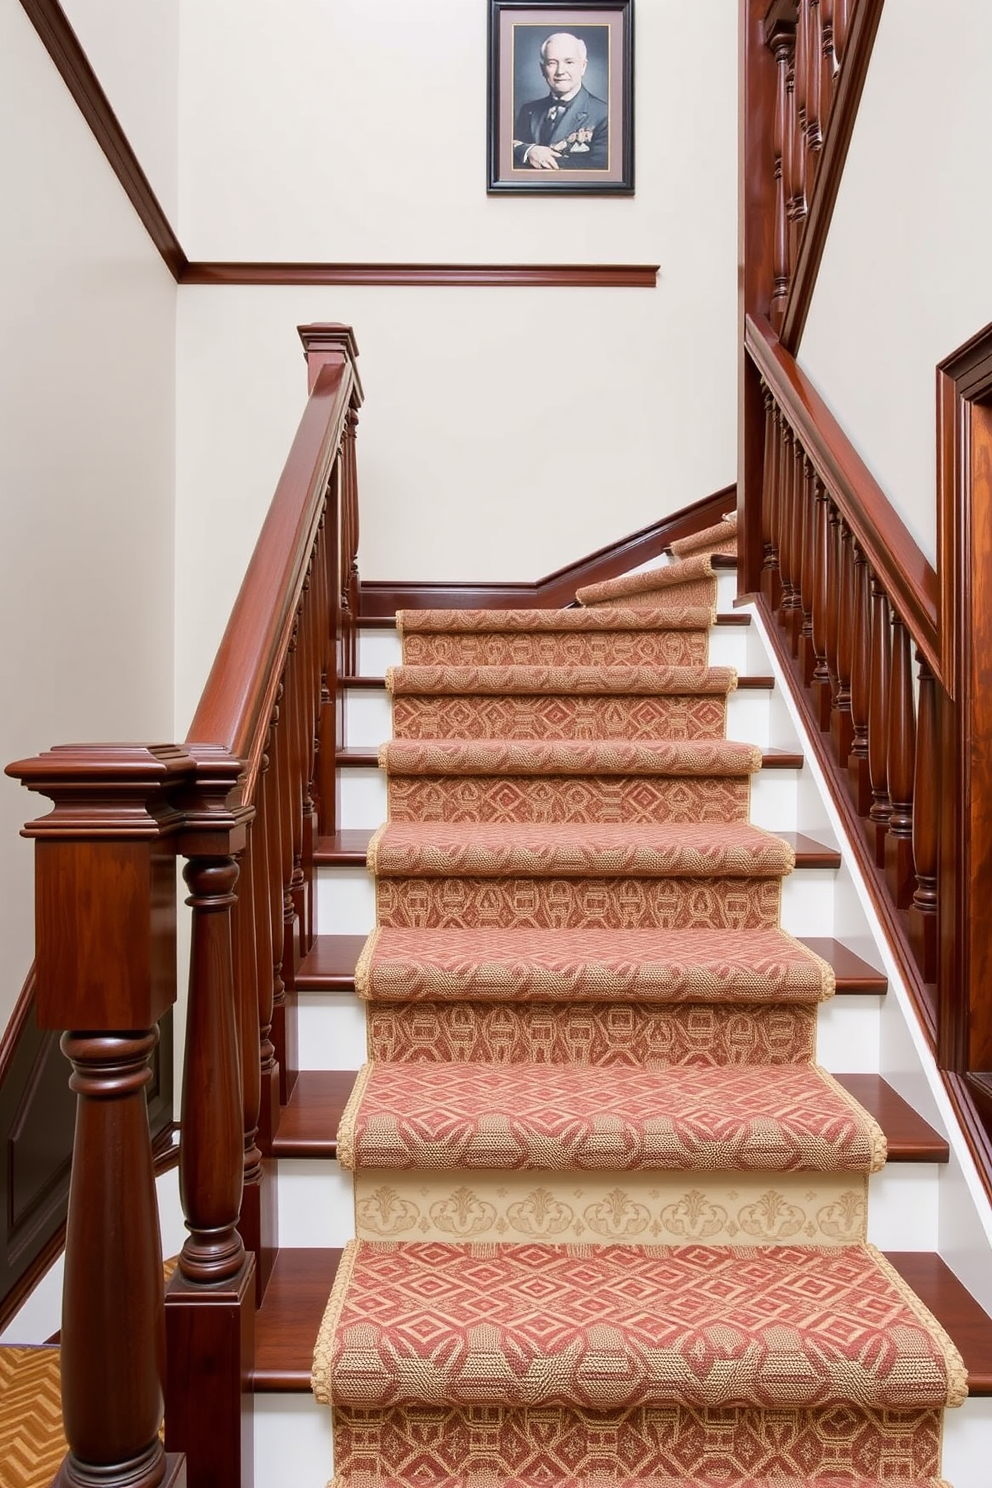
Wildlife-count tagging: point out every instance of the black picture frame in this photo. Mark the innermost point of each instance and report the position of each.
(585, 143)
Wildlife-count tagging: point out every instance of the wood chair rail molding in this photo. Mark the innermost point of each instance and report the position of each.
(909, 579)
(381, 598)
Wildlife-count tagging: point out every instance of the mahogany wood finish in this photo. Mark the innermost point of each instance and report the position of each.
(837, 92)
(889, 547)
(379, 599)
(902, 762)
(105, 936)
(289, 1318)
(926, 828)
(238, 801)
(964, 509)
(860, 684)
(490, 276)
(795, 131)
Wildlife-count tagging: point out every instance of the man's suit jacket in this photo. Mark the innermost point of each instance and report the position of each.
(580, 133)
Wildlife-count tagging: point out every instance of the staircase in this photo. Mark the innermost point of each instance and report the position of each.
(463, 1125)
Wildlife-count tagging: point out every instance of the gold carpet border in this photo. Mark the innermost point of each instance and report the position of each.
(636, 1208)
(957, 1373)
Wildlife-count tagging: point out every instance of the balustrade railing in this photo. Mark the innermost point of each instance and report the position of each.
(242, 801)
(821, 50)
(853, 598)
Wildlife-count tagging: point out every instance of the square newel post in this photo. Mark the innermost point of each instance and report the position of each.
(106, 972)
(210, 1305)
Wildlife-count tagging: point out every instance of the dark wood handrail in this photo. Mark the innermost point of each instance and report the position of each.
(885, 539)
(237, 701)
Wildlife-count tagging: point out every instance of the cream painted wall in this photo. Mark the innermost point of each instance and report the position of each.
(134, 51)
(576, 416)
(905, 277)
(87, 415)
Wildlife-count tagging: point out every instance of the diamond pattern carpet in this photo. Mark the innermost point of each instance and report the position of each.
(611, 1215)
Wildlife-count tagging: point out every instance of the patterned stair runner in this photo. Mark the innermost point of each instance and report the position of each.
(611, 1215)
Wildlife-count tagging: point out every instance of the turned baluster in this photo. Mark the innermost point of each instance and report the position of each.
(350, 552)
(211, 1298)
(842, 29)
(926, 828)
(281, 864)
(833, 601)
(330, 729)
(857, 764)
(786, 495)
(821, 540)
(807, 653)
(265, 973)
(828, 63)
(294, 684)
(902, 763)
(311, 701)
(782, 43)
(797, 205)
(814, 128)
(211, 1163)
(771, 578)
(878, 718)
(283, 971)
(249, 1036)
(797, 547)
(841, 724)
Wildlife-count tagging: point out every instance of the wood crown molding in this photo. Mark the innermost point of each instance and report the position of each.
(842, 116)
(63, 46)
(908, 578)
(383, 597)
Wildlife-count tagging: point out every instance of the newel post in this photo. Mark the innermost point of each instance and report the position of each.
(106, 973)
(210, 1305)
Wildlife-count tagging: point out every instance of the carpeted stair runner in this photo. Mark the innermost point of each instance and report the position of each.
(611, 1215)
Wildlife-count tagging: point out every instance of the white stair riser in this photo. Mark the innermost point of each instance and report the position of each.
(317, 1205)
(377, 650)
(332, 1032)
(293, 1445)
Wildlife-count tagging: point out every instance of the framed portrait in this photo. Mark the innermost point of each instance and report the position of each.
(561, 97)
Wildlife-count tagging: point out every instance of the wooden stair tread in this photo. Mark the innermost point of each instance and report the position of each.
(361, 758)
(967, 1322)
(853, 974)
(286, 1324)
(308, 1124)
(910, 1138)
(809, 852)
(330, 965)
(343, 849)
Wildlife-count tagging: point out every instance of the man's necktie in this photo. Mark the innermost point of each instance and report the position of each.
(550, 121)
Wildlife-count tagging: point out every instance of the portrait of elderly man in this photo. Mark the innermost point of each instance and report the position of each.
(568, 129)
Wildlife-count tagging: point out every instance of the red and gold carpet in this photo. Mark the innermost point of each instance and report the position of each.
(611, 1216)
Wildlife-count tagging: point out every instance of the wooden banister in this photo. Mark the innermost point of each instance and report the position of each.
(886, 541)
(237, 801)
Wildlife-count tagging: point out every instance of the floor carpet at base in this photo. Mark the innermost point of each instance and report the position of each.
(611, 1216)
